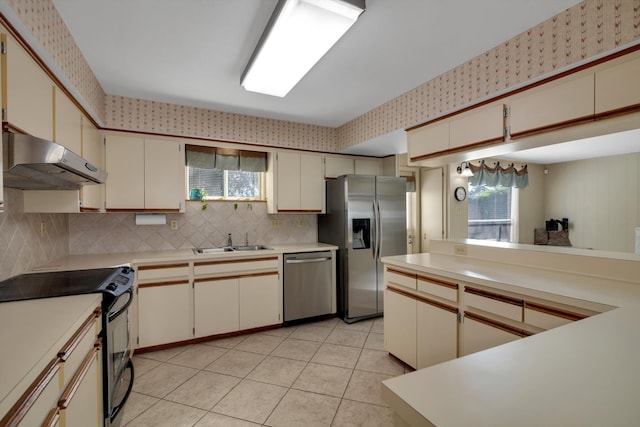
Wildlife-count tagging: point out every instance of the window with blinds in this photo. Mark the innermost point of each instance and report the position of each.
(490, 213)
(226, 173)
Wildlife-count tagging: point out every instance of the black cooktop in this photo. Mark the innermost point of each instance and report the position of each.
(113, 280)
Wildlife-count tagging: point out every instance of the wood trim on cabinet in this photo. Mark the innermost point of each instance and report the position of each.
(423, 299)
(555, 126)
(76, 380)
(402, 273)
(234, 261)
(162, 266)
(460, 149)
(498, 325)
(554, 311)
(167, 283)
(630, 109)
(129, 210)
(235, 276)
(440, 282)
(77, 337)
(29, 397)
(300, 210)
(52, 418)
(494, 296)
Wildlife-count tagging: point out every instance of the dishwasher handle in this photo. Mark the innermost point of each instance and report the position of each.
(306, 260)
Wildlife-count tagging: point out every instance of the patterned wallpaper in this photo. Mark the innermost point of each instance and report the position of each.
(117, 232)
(21, 244)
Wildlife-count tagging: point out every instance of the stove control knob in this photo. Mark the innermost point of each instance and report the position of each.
(112, 286)
(126, 270)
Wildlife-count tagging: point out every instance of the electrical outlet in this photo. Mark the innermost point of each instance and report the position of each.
(300, 223)
(43, 229)
(174, 224)
(275, 223)
(460, 249)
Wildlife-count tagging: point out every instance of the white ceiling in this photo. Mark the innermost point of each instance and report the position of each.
(192, 52)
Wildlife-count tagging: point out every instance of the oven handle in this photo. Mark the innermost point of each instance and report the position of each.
(113, 315)
(117, 408)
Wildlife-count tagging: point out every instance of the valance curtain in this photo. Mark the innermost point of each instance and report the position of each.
(226, 159)
(508, 176)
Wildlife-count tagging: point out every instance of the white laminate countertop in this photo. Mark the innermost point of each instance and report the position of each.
(586, 373)
(83, 262)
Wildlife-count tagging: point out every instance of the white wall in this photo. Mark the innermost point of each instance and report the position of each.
(531, 204)
(601, 199)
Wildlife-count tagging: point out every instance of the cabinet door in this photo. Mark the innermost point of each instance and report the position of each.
(336, 166)
(368, 167)
(480, 126)
(259, 301)
(68, 123)
(216, 307)
(479, 336)
(124, 161)
(617, 87)
(163, 313)
(437, 334)
(92, 196)
(311, 183)
(400, 326)
(29, 97)
(288, 181)
(557, 104)
(81, 402)
(428, 140)
(163, 174)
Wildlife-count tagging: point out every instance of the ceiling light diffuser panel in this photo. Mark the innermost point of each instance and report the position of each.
(298, 34)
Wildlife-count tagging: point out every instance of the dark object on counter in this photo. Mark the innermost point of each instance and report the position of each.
(552, 224)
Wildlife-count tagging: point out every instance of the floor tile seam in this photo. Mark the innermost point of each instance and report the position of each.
(146, 410)
(366, 402)
(211, 411)
(377, 372)
(181, 383)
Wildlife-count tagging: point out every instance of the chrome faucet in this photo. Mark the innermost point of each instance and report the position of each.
(229, 241)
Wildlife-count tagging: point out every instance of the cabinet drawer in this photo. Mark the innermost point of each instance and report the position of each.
(235, 266)
(479, 335)
(547, 316)
(162, 271)
(401, 278)
(495, 303)
(82, 341)
(438, 287)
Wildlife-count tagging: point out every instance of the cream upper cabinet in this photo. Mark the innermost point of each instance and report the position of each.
(480, 126)
(92, 196)
(427, 140)
(296, 183)
(566, 101)
(29, 92)
(164, 174)
(144, 174)
(337, 166)
(617, 87)
(368, 167)
(67, 123)
(124, 161)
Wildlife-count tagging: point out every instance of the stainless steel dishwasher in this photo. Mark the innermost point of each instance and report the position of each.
(307, 285)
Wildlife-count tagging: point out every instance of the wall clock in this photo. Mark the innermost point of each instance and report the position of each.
(460, 193)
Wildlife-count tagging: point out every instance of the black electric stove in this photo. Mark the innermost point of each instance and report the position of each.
(112, 282)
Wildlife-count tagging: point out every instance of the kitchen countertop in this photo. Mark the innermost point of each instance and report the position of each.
(81, 262)
(586, 373)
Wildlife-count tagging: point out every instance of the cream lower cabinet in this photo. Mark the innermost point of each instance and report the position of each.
(400, 326)
(480, 333)
(437, 333)
(81, 402)
(216, 306)
(259, 300)
(163, 313)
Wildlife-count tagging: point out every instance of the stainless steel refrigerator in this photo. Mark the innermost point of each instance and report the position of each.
(366, 218)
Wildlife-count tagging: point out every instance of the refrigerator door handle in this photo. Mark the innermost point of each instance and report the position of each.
(374, 232)
(378, 230)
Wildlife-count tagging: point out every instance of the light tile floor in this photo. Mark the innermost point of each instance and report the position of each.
(325, 373)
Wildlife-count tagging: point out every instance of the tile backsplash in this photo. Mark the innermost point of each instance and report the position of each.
(24, 243)
(117, 232)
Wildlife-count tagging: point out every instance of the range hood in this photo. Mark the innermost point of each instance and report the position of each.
(32, 163)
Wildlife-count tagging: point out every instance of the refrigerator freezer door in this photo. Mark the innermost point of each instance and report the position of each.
(361, 282)
(392, 204)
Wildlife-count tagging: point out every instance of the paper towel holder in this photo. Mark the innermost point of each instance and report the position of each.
(151, 219)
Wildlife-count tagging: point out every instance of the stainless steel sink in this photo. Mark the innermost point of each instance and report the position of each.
(231, 249)
(251, 248)
(212, 250)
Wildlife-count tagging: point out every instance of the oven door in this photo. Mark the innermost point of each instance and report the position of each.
(119, 367)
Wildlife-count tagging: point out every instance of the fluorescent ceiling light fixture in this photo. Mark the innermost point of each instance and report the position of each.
(298, 34)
